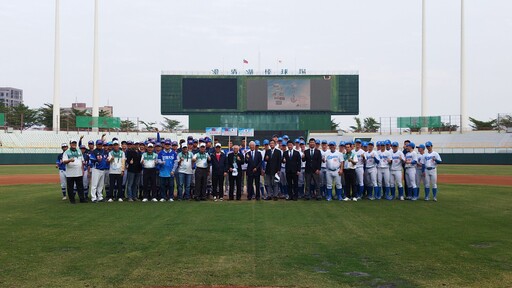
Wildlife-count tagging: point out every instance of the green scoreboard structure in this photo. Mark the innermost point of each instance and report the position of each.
(262, 102)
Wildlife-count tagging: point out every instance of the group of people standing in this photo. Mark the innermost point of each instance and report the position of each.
(281, 168)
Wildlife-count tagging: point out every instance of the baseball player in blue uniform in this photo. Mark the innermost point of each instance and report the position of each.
(62, 170)
(420, 170)
(431, 159)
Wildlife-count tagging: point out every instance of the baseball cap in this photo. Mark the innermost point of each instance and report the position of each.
(364, 144)
(342, 143)
(371, 143)
(297, 140)
(151, 145)
(387, 142)
(167, 142)
(109, 143)
(218, 145)
(82, 147)
(332, 143)
(201, 140)
(358, 141)
(280, 139)
(266, 142)
(184, 145)
(286, 137)
(428, 144)
(158, 144)
(202, 145)
(411, 145)
(115, 142)
(174, 143)
(379, 143)
(129, 142)
(302, 142)
(275, 135)
(90, 142)
(195, 141)
(73, 141)
(324, 141)
(207, 139)
(317, 141)
(190, 137)
(283, 144)
(64, 145)
(421, 146)
(394, 144)
(257, 142)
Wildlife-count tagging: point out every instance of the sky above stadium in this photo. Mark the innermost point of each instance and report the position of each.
(379, 39)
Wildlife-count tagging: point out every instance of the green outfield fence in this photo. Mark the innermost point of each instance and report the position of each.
(98, 122)
(2, 119)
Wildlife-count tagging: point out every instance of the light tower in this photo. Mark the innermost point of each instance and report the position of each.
(95, 76)
(56, 71)
(424, 102)
(463, 88)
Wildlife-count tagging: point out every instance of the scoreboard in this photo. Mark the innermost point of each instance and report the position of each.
(303, 94)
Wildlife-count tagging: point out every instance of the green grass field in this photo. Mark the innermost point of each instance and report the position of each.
(464, 240)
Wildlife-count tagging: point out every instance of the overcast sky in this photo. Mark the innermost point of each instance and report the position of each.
(380, 39)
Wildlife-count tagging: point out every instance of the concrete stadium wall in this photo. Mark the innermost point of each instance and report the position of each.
(448, 158)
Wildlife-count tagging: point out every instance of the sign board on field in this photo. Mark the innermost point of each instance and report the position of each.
(419, 122)
(229, 131)
(246, 132)
(214, 131)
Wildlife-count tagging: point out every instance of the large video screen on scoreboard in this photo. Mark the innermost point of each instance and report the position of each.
(204, 93)
(186, 94)
(289, 94)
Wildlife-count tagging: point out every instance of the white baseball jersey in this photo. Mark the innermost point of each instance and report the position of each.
(75, 168)
(384, 157)
(116, 166)
(397, 157)
(413, 157)
(421, 161)
(360, 160)
(370, 159)
(333, 160)
(323, 153)
(429, 159)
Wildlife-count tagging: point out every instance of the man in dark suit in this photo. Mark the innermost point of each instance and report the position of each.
(313, 159)
(253, 159)
(273, 166)
(235, 162)
(292, 161)
(219, 171)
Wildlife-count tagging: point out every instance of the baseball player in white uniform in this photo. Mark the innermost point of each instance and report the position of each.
(420, 174)
(323, 170)
(383, 171)
(371, 159)
(359, 169)
(62, 171)
(334, 169)
(411, 159)
(396, 170)
(431, 159)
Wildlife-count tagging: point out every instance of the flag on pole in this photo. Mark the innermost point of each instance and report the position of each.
(246, 62)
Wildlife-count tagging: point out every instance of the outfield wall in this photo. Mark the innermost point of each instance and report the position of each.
(448, 158)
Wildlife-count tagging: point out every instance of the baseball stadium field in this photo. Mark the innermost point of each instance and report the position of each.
(463, 240)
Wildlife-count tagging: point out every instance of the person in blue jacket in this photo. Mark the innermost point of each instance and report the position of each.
(166, 167)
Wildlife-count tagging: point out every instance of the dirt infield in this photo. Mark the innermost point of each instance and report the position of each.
(475, 179)
(444, 178)
(29, 179)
